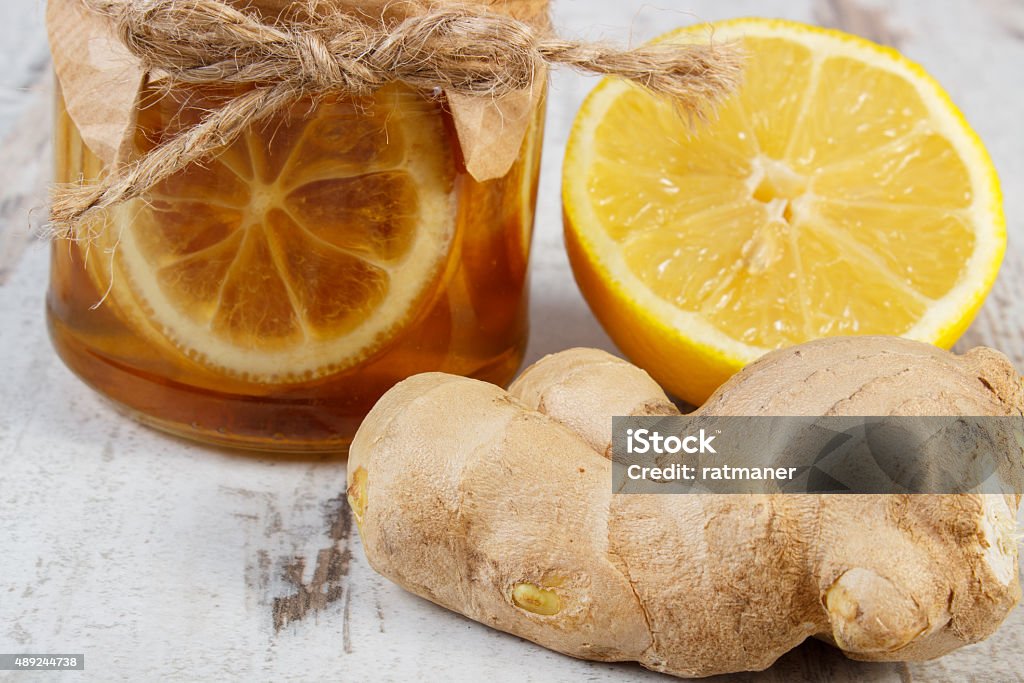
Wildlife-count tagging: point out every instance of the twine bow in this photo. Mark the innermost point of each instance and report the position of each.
(459, 48)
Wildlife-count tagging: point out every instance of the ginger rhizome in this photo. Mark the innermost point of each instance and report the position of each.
(498, 505)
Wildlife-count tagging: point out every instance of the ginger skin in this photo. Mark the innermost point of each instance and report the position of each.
(498, 505)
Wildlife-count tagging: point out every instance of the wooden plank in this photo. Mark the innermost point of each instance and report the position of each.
(24, 175)
(158, 557)
(852, 16)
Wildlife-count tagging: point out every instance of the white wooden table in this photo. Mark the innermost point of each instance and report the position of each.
(163, 560)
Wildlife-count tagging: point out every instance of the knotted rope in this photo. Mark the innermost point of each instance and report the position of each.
(462, 49)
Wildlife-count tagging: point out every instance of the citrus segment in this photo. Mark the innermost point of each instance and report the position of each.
(252, 303)
(198, 279)
(773, 94)
(837, 192)
(335, 290)
(300, 250)
(374, 214)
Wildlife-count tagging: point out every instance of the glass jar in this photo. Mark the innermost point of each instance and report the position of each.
(267, 298)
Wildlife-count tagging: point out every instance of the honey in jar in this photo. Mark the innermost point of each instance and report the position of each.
(268, 296)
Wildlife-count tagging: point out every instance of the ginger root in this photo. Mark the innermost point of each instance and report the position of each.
(498, 505)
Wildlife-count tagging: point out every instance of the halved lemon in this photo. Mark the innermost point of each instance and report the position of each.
(300, 250)
(838, 192)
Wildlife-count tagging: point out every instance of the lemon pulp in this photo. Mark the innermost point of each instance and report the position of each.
(838, 192)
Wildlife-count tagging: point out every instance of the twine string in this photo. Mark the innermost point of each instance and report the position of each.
(460, 48)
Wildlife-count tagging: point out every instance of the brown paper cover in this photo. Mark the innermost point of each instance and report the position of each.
(100, 81)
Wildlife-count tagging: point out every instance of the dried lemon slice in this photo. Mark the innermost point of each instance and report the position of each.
(303, 248)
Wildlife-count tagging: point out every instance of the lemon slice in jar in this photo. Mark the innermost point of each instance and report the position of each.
(303, 248)
(838, 192)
